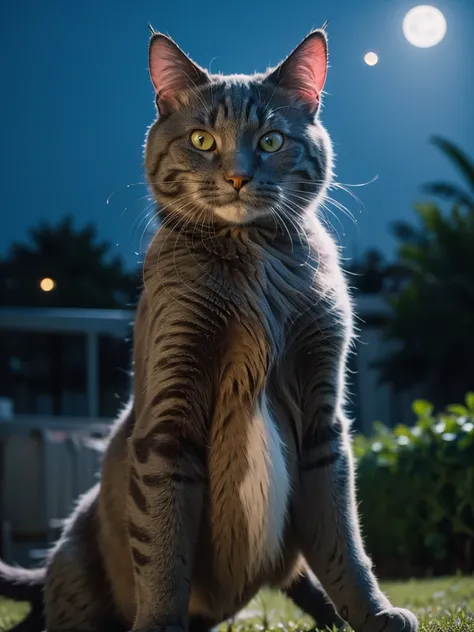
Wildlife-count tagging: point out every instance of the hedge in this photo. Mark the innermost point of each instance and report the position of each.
(416, 492)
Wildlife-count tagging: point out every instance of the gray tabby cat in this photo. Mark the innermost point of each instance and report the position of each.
(232, 469)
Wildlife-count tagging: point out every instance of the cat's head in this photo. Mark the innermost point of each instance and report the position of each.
(237, 148)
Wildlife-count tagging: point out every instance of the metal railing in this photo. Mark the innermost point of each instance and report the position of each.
(89, 322)
(371, 310)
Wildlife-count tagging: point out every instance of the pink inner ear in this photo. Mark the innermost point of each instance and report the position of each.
(171, 71)
(163, 66)
(308, 64)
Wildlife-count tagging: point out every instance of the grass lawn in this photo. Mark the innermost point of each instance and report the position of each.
(441, 604)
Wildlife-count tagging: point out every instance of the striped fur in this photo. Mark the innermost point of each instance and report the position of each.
(232, 467)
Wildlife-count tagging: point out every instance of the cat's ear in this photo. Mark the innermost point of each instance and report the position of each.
(303, 72)
(171, 71)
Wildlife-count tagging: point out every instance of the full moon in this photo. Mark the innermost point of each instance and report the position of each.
(424, 26)
(371, 59)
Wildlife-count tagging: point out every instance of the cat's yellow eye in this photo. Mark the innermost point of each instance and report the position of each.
(271, 142)
(203, 140)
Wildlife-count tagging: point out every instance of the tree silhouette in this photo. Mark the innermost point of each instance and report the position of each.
(82, 267)
(433, 314)
(38, 365)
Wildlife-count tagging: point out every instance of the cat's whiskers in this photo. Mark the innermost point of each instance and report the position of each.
(291, 208)
(175, 201)
(327, 198)
(283, 224)
(341, 186)
(196, 223)
(204, 227)
(183, 228)
(281, 199)
(310, 199)
(212, 235)
(325, 206)
(299, 227)
(297, 195)
(329, 225)
(127, 186)
(348, 213)
(148, 223)
(299, 210)
(142, 216)
(171, 231)
(295, 290)
(175, 216)
(346, 186)
(164, 225)
(321, 206)
(161, 209)
(275, 218)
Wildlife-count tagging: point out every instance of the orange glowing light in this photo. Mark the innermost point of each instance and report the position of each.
(47, 284)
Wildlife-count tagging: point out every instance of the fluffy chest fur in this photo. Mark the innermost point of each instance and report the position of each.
(264, 490)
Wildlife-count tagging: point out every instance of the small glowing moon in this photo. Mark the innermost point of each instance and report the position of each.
(47, 284)
(424, 26)
(371, 59)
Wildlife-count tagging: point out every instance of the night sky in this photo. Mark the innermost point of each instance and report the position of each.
(76, 102)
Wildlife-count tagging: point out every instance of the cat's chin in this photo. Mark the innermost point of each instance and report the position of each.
(238, 213)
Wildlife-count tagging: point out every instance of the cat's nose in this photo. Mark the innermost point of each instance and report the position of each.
(238, 181)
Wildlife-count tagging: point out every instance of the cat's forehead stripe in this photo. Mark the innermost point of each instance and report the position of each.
(235, 102)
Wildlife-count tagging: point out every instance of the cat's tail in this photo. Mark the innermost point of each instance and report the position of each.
(21, 584)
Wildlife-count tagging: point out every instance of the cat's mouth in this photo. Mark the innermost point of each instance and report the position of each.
(241, 212)
(235, 213)
(239, 207)
(241, 199)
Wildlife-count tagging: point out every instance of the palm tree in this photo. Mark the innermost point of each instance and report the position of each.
(465, 166)
(432, 322)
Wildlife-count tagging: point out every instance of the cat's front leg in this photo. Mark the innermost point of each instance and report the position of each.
(307, 594)
(167, 477)
(326, 511)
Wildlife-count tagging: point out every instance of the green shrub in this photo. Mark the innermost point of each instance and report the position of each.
(416, 492)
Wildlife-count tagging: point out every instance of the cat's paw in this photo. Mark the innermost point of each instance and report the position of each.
(391, 620)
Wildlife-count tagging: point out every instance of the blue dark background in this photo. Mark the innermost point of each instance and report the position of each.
(76, 102)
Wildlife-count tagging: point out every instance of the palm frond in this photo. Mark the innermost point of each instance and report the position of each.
(450, 192)
(460, 159)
